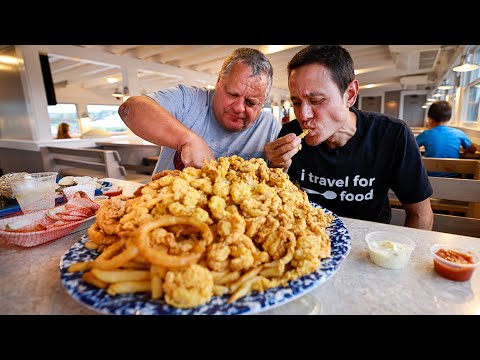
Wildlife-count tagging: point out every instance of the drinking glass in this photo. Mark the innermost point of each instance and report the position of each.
(35, 191)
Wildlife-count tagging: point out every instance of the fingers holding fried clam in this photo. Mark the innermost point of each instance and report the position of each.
(280, 151)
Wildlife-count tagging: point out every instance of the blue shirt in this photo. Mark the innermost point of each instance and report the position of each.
(192, 106)
(443, 142)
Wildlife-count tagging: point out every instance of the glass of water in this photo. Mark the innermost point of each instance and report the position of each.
(35, 191)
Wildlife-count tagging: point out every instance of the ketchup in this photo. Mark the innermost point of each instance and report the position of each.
(452, 271)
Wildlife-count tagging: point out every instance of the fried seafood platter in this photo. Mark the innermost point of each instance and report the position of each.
(228, 229)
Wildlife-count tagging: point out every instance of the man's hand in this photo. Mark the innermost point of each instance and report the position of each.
(194, 152)
(280, 152)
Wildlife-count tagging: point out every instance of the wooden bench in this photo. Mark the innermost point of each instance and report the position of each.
(465, 167)
(150, 160)
(466, 190)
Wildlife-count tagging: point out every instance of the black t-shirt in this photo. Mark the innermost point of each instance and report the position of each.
(355, 178)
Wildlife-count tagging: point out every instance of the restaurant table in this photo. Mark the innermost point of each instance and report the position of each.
(30, 280)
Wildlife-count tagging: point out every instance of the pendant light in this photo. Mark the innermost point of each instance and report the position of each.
(466, 64)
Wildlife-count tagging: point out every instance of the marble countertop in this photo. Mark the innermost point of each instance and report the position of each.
(361, 287)
(30, 280)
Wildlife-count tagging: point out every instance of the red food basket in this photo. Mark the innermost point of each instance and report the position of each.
(34, 238)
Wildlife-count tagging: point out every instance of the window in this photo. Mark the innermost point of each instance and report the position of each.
(472, 92)
(473, 103)
(63, 113)
(105, 117)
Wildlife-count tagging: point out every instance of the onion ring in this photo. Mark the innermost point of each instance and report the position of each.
(161, 258)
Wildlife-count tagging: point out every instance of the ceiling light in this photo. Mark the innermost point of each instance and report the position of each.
(270, 49)
(437, 95)
(445, 86)
(112, 80)
(466, 64)
(9, 60)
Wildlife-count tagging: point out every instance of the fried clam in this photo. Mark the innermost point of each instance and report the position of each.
(109, 214)
(302, 135)
(188, 287)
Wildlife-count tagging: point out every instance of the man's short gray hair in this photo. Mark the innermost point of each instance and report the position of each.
(255, 59)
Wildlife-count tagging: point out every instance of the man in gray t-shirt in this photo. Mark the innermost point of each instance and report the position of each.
(194, 124)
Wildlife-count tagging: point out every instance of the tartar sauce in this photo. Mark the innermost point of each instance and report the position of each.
(390, 254)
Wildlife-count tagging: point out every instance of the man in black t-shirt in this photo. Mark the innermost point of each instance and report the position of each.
(350, 159)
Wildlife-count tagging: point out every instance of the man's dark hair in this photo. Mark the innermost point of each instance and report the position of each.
(440, 111)
(334, 57)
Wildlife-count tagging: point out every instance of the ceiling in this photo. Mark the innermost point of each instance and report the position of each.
(379, 68)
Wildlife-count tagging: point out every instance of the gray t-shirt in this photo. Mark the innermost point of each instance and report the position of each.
(193, 107)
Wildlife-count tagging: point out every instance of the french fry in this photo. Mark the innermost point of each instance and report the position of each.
(224, 277)
(129, 287)
(80, 266)
(161, 271)
(247, 276)
(273, 269)
(118, 260)
(135, 265)
(157, 274)
(156, 286)
(243, 289)
(114, 276)
(88, 277)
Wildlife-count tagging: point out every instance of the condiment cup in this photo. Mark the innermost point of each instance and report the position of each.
(450, 269)
(389, 249)
(34, 191)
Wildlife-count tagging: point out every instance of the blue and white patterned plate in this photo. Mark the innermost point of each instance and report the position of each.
(141, 304)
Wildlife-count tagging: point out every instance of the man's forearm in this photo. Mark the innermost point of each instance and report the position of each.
(472, 149)
(419, 215)
(419, 222)
(153, 123)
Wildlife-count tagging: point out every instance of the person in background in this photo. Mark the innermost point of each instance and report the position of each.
(442, 141)
(349, 159)
(195, 124)
(63, 131)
